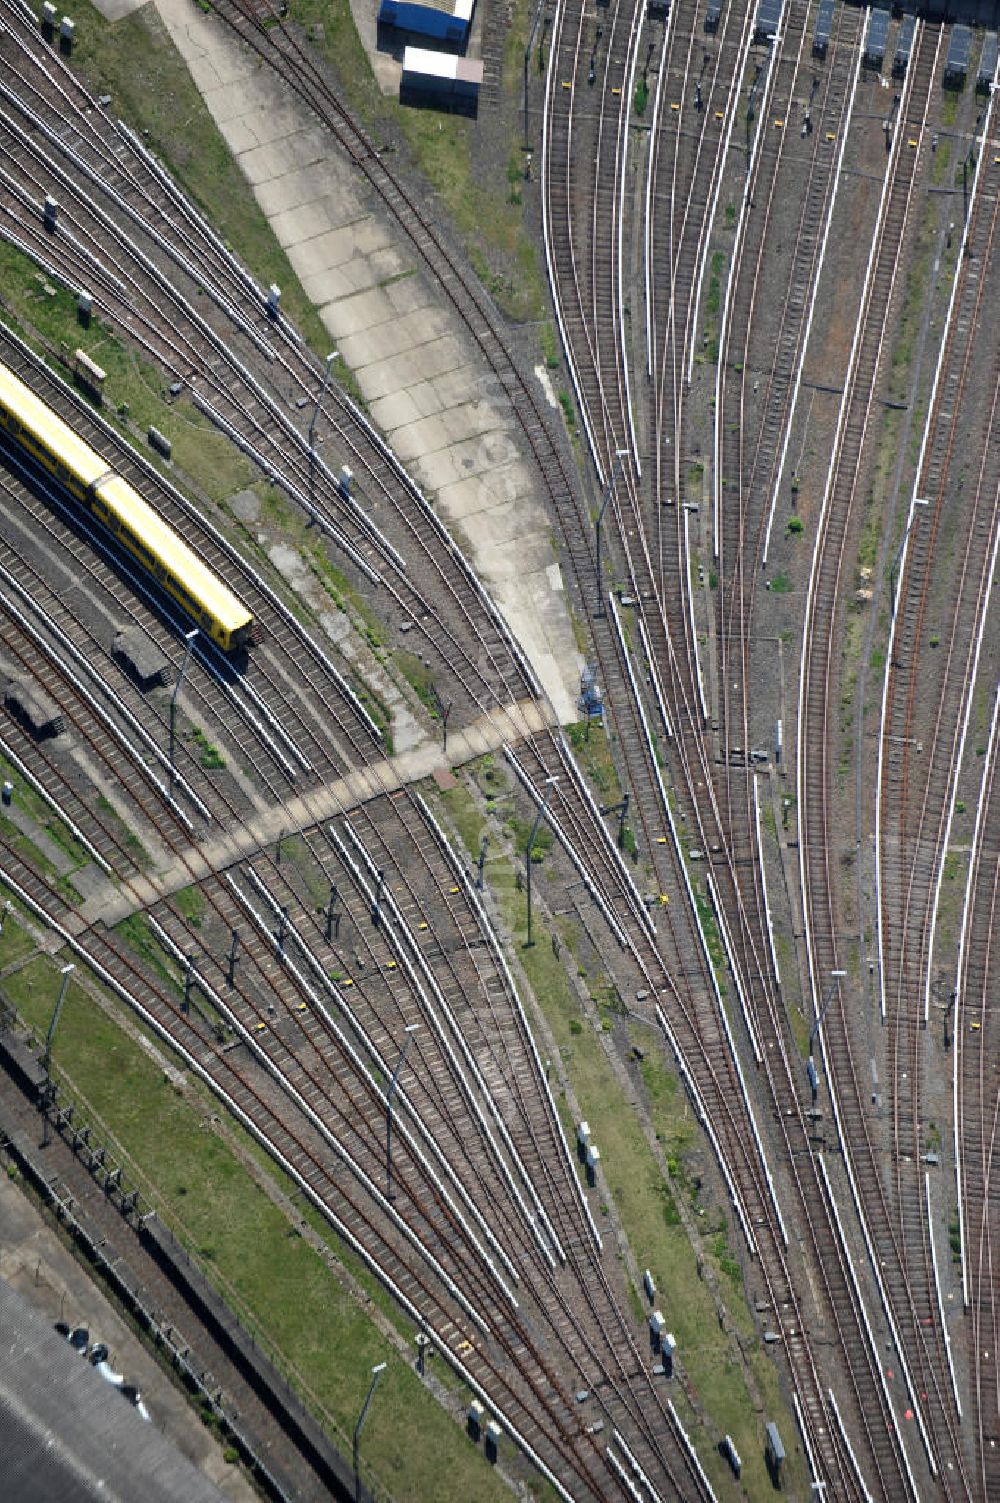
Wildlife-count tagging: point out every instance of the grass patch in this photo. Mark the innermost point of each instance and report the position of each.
(631, 1177)
(190, 903)
(301, 1312)
(566, 403)
(592, 750)
(710, 929)
(550, 346)
(208, 755)
(137, 934)
(420, 678)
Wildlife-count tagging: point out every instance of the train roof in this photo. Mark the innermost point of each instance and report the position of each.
(824, 23)
(959, 50)
(34, 415)
(878, 31)
(88, 467)
(161, 540)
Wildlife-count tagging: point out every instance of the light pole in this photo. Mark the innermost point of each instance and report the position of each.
(66, 972)
(751, 112)
(189, 637)
(45, 1095)
(411, 1029)
(609, 489)
(542, 809)
(377, 1372)
(333, 355)
(444, 710)
(835, 977)
(894, 566)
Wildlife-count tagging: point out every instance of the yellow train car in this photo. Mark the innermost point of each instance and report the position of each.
(51, 442)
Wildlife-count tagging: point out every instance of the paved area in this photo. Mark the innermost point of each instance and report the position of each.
(425, 384)
(423, 761)
(39, 1267)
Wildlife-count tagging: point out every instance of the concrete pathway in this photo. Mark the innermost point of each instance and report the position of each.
(222, 849)
(426, 385)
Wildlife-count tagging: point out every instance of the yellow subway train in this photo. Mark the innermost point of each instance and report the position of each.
(50, 441)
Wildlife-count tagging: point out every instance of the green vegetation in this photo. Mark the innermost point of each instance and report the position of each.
(550, 346)
(301, 1312)
(566, 403)
(190, 902)
(710, 929)
(419, 677)
(208, 755)
(795, 526)
(137, 934)
(647, 1204)
(713, 304)
(641, 96)
(592, 750)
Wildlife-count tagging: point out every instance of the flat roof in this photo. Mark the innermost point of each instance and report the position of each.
(66, 1433)
(824, 21)
(959, 49)
(429, 64)
(878, 31)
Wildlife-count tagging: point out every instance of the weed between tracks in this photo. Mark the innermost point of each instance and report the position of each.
(135, 61)
(45, 317)
(645, 1203)
(317, 1331)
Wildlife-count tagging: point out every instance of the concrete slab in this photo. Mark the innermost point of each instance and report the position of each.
(34, 1261)
(412, 357)
(391, 412)
(116, 10)
(406, 369)
(489, 733)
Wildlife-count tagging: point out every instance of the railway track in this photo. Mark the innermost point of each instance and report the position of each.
(657, 547)
(660, 654)
(905, 1288)
(977, 1120)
